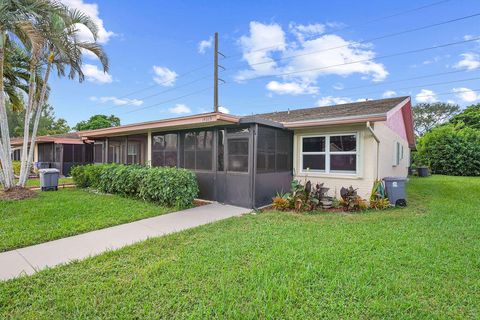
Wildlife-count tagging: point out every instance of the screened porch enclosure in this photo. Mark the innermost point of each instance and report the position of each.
(63, 156)
(242, 165)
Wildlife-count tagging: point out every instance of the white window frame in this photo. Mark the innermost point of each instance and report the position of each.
(327, 154)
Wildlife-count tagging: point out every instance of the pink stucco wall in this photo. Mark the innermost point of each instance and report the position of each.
(396, 123)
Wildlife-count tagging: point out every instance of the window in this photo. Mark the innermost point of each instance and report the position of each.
(164, 150)
(238, 155)
(329, 153)
(313, 153)
(397, 153)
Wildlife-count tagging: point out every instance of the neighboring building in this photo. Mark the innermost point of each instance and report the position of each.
(57, 151)
(246, 160)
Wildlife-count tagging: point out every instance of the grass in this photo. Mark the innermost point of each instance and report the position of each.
(418, 262)
(66, 212)
(35, 182)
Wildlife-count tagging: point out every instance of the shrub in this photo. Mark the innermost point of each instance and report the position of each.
(169, 186)
(16, 167)
(281, 202)
(166, 186)
(351, 201)
(450, 150)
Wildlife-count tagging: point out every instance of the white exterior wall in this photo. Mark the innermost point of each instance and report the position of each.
(388, 139)
(366, 161)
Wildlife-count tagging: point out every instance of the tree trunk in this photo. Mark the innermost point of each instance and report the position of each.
(5, 158)
(39, 109)
(28, 116)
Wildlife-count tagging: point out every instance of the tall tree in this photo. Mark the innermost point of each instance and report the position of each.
(98, 121)
(469, 117)
(48, 124)
(61, 49)
(428, 115)
(48, 31)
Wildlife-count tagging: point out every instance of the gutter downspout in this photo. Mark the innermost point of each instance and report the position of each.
(369, 127)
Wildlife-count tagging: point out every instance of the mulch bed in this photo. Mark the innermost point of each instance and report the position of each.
(198, 203)
(17, 193)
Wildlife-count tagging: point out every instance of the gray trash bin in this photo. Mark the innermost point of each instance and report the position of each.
(395, 188)
(49, 179)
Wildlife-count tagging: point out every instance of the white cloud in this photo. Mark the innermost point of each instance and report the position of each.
(470, 61)
(389, 94)
(261, 36)
(90, 9)
(315, 54)
(118, 101)
(302, 31)
(330, 100)
(164, 76)
(426, 96)
(179, 109)
(223, 110)
(204, 45)
(292, 88)
(466, 94)
(95, 74)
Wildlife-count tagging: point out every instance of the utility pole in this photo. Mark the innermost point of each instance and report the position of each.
(215, 74)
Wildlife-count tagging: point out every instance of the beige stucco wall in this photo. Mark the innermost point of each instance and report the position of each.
(388, 138)
(367, 158)
(366, 162)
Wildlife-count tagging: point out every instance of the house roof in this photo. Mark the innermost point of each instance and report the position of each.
(364, 109)
(67, 138)
(193, 121)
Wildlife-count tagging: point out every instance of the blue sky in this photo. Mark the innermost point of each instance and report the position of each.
(153, 47)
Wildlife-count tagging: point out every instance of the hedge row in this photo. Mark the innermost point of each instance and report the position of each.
(450, 150)
(166, 186)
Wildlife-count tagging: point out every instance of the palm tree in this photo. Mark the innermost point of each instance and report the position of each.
(61, 49)
(17, 18)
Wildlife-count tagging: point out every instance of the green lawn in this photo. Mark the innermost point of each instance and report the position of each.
(418, 262)
(36, 182)
(53, 215)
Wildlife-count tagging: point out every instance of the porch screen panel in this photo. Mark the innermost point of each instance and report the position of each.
(98, 153)
(136, 149)
(67, 153)
(274, 150)
(45, 152)
(198, 150)
(78, 151)
(164, 150)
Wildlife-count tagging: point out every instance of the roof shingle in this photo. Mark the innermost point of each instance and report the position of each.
(364, 108)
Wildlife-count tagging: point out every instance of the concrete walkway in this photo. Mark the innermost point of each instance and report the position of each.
(49, 254)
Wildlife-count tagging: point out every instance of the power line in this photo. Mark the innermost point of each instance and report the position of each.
(417, 96)
(165, 91)
(360, 24)
(394, 34)
(170, 100)
(366, 60)
(401, 80)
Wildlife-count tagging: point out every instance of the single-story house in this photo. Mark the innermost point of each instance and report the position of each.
(60, 151)
(245, 160)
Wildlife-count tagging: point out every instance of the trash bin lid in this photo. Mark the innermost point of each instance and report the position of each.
(394, 179)
(51, 170)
